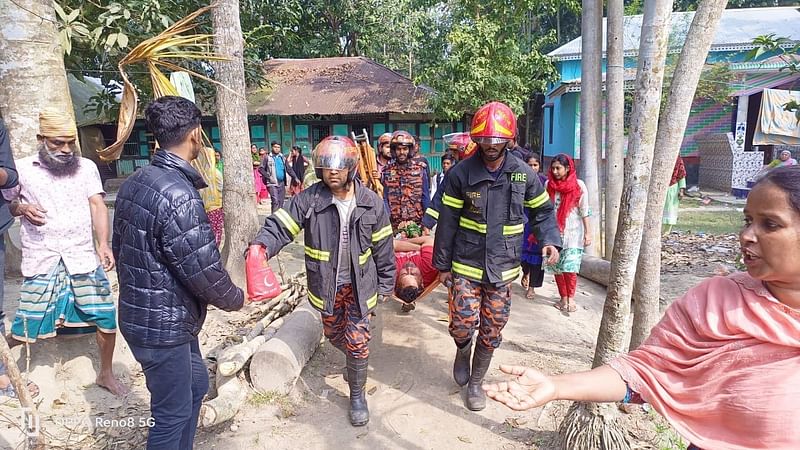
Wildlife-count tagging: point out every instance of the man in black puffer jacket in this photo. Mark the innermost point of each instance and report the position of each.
(169, 272)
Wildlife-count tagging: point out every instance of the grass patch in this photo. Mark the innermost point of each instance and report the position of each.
(691, 202)
(273, 398)
(710, 222)
(666, 437)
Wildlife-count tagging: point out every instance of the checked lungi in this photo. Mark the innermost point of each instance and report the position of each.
(58, 299)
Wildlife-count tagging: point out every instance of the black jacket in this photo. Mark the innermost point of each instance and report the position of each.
(371, 244)
(481, 220)
(167, 260)
(6, 162)
(432, 212)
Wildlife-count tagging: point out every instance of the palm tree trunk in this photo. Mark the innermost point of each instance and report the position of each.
(668, 142)
(615, 116)
(238, 196)
(592, 424)
(591, 95)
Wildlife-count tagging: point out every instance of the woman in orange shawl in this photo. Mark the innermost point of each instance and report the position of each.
(723, 364)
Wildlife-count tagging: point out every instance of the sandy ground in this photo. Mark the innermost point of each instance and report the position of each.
(414, 402)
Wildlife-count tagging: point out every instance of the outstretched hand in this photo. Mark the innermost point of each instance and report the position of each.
(550, 254)
(530, 389)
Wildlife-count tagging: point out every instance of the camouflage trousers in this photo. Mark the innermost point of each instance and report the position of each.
(345, 328)
(477, 306)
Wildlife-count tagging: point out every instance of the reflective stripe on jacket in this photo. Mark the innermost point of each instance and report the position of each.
(371, 247)
(481, 220)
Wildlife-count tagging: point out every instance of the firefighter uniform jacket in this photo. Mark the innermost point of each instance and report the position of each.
(432, 212)
(482, 219)
(406, 190)
(371, 244)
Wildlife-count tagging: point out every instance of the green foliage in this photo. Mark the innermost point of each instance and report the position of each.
(96, 36)
(787, 51)
(486, 58)
(484, 65)
(666, 436)
(470, 51)
(633, 7)
(715, 83)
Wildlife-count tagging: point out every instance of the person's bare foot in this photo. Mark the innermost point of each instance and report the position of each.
(524, 281)
(530, 294)
(109, 381)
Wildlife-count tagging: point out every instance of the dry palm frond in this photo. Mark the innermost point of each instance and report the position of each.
(173, 44)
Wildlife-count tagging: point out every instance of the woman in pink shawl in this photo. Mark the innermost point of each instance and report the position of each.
(723, 364)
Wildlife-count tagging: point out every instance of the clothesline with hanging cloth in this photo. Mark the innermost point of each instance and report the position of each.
(775, 126)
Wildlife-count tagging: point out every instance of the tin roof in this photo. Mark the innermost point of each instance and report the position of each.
(340, 85)
(736, 30)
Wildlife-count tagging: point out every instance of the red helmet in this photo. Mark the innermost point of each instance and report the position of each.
(336, 152)
(385, 138)
(402, 137)
(460, 144)
(493, 123)
(467, 151)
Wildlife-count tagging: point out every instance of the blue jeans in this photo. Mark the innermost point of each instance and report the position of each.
(177, 380)
(277, 196)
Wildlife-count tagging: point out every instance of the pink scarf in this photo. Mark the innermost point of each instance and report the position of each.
(723, 367)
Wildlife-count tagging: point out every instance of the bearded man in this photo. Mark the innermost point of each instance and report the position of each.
(60, 198)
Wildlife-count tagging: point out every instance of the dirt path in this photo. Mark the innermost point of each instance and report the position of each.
(414, 402)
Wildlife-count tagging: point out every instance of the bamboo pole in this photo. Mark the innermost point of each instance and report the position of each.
(25, 400)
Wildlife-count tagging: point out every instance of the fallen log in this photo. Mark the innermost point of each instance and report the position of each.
(277, 363)
(231, 395)
(595, 269)
(279, 307)
(234, 358)
(273, 328)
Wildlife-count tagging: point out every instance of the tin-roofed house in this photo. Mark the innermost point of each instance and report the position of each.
(718, 146)
(306, 100)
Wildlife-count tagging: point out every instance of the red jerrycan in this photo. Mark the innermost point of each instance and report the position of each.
(261, 282)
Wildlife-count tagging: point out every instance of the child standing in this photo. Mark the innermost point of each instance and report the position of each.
(568, 194)
(532, 272)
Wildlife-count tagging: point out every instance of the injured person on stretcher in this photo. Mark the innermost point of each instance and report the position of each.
(416, 275)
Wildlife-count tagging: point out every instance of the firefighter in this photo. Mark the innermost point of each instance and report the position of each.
(405, 182)
(479, 237)
(460, 146)
(349, 255)
(384, 153)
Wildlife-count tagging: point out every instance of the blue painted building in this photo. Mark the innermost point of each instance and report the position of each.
(732, 40)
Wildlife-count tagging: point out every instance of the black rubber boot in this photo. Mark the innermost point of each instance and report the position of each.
(461, 364)
(344, 352)
(357, 379)
(476, 398)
